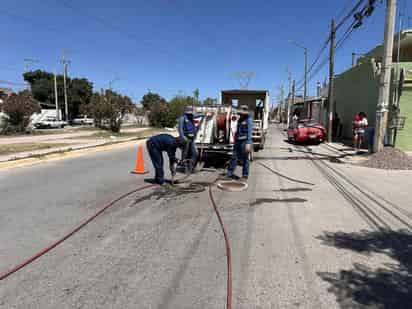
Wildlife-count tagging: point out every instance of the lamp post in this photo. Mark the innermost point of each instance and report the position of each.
(306, 67)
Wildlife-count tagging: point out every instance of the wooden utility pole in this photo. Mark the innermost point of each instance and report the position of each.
(331, 79)
(289, 103)
(385, 78)
(56, 99)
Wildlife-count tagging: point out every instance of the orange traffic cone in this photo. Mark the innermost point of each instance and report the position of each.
(139, 168)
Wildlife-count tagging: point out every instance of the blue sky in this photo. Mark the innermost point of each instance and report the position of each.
(176, 46)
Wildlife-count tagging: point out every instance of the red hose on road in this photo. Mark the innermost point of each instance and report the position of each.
(76, 229)
(228, 252)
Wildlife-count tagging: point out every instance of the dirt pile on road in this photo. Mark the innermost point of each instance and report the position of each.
(390, 159)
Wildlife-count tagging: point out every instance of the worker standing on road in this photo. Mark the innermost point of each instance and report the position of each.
(187, 134)
(243, 143)
(155, 146)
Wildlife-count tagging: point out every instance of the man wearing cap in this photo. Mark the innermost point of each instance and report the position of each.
(158, 144)
(187, 133)
(243, 143)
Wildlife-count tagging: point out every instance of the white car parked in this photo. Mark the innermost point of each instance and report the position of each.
(83, 120)
(50, 123)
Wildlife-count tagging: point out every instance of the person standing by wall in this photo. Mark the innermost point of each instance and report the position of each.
(243, 144)
(360, 122)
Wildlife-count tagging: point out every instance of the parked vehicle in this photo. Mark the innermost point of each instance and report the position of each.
(307, 130)
(50, 123)
(217, 124)
(83, 120)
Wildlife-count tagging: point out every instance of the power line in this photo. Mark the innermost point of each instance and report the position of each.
(27, 20)
(344, 9)
(6, 82)
(355, 24)
(102, 21)
(350, 14)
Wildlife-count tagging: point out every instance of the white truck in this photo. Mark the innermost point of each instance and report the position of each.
(217, 125)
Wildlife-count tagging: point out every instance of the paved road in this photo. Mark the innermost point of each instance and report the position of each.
(294, 245)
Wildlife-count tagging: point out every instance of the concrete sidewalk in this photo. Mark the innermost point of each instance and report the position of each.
(68, 138)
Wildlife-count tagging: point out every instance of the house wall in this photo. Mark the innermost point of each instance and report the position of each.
(404, 140)
(356, 90)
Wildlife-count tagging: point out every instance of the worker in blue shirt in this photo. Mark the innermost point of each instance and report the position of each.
(155, 146)
(243, 143)
(187, 134)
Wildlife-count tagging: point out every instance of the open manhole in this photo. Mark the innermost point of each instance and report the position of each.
(232, 185)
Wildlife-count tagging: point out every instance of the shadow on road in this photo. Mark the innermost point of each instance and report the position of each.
(260, 201)
(292, 190)
(384, 287)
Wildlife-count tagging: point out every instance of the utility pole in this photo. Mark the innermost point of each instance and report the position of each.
(65, 63)
(331, 78)
(66, 106)
(289, 103)
(306, 68)
(290, 81)
(305, 90)
(385, 77)
(56, 99)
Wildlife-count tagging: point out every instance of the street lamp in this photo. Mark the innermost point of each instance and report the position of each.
(306, 67)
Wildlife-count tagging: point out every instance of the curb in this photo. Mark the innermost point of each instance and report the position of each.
(65, 154)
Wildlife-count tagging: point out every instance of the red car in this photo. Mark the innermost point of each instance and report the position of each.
(307, 131)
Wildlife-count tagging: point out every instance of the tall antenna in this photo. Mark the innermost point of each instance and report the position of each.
(244, 78)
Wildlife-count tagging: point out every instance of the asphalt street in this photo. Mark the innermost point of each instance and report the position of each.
(306, 234)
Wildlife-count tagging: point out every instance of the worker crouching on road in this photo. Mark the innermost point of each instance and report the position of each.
(187, 134)
(155, 146)
(243, 143)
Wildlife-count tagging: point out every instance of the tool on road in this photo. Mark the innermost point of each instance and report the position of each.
(139, 167)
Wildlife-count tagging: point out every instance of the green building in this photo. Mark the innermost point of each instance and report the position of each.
(357, 90)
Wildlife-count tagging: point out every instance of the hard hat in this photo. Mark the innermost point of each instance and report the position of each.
(189, 109)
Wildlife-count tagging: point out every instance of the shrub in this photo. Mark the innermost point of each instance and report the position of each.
(18, 110)
(108, 109)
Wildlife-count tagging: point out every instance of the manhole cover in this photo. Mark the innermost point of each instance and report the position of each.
(233, 186)
(189, 187)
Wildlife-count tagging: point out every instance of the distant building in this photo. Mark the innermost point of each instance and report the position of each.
(357, 89)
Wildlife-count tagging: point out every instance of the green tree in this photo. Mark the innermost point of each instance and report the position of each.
(196, 94)
(158, 109)
(209, 101)
(177, 106)
(79, 90)
(108, 109)
(151, 101)
(18, 109)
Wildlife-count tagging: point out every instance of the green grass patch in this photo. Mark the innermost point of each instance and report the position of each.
(108, 134)
(23, 147)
